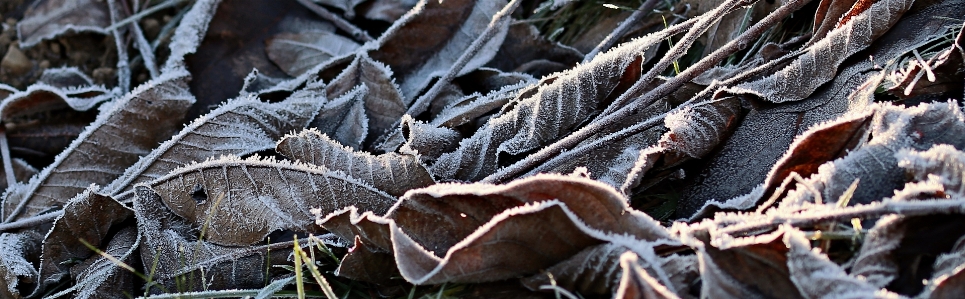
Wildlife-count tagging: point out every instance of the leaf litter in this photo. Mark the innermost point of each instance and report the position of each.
(232, 153)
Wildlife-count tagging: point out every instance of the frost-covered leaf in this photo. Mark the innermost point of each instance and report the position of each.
(390, 172)
(537, 118)
(100, 277)
(18, 277)
(239, 127)
(174, 247)
(234, 44)
(749, 267)
(90, 216)
(899, 251)
(938, 77)
(41, 97)
(383, 102)
(817, 277)
(296, 53)
(426, 42)
(123, 132)
(942, 164)
(426, 140)
(820, 62)
(242, 201)
(635, 282)
(46, 19)
(388, 10)
(21, 172)
(524, 49)
(347, 6)
(343, 118)
(949, 278)
(745, 159)
(463, 233)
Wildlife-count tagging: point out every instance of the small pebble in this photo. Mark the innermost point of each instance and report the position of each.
(55, 48)
(141, 78)
(15, 62)
(44, 64)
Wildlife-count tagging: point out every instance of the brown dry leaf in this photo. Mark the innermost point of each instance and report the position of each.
(745, 159)
(174, 246)
(296, 53)
(21, 172)
(949, 278)
(524, 45)
(426, 42)
(941, 167)
(90, 216)
(128, 129)
(46, 19)
(827, 16)
(383, 102)
(748, 267)
(427, 141)
(343, 119)
(234, 44)
(820, 62)
(390, 172)
(482, 227)
(536, 118)
(239, 127)
(242, 201)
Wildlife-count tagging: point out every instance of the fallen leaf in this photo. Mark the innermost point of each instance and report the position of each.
(343, 118)
(48, 19)
(390, 172)
(239, 127)
(19, 277)
(212, 193)
(296, 53)
(383, 102)
(426, 42)
(635, 282)
(101, 277)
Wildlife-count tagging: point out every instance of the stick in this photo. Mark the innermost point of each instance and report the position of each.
(358, 34)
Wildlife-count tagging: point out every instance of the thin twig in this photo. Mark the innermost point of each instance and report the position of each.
(142, 14)
(123, 68)
(558, 150)
(31, 221)
(625, 26)
(874, 210)
(356, 33)
(500, 17)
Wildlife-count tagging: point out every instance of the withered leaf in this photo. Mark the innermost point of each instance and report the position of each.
(819, 63)
(347, 6)
(383, 102)
(18, 276)
(175, 248)
(524, 44)
(817, 277)
(296, 53)
(239, 127)
(390, 172)
(942, 165)
(387, 10)
(745, 159)
(749, 267)
(427, 141)
(431, 37)
(483, 227)
(47, 19)
(90, 216)
(343, 118)
(129, 128)
(21, 172)
(242, 201)
(947, 282)
(540, 117)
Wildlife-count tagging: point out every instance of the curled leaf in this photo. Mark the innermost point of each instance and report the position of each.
(49, 18)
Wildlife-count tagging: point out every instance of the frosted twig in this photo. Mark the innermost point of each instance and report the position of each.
(618, 33)
(142, 14)
(356, 33)
(31, 221)
(904, 208)
(502, 16)
(123, 68)
(555, 154)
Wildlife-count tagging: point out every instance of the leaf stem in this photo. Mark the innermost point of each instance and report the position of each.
(503, 15)
(31, 221)
(356, 33)
(555, 154)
